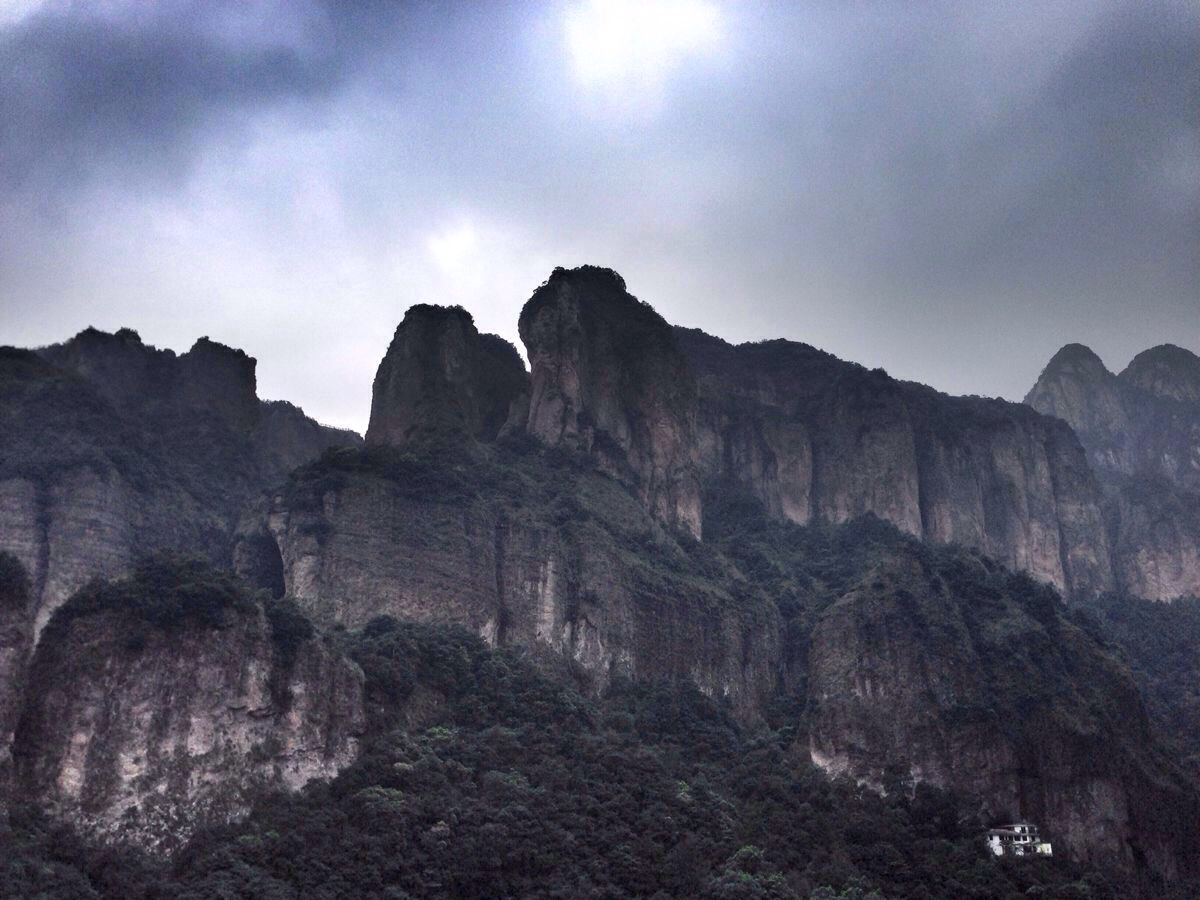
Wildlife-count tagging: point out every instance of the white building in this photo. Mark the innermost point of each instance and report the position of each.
(1020, 839)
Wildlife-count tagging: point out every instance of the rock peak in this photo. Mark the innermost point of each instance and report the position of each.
(1078, 358)
(441, 378)
(1078, 388)
(434, 311)
(1167, 371)
(608, 378)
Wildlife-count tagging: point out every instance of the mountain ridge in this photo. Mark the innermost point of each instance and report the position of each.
(645, 503)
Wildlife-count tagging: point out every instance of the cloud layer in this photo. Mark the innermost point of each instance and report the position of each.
(949, 191)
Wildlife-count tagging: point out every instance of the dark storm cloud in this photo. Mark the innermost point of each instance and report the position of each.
(1088, 174)
(89, 88)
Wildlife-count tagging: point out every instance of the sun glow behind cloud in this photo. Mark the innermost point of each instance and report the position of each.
(629, 48)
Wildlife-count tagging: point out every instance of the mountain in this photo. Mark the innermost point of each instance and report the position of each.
(1141, 431)
(862, 573)
(818, 439)
(111, 449)
(575, 536)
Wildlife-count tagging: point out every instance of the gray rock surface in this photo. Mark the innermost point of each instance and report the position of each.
(818, 439)
(608, 379)
(143, 734)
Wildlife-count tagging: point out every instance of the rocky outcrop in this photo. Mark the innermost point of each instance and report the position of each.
(211, 389)
(1141, 431)
(441, 378)
(818, 439)
(579, 572)
(1144, 421)
(609, 380)
(1077, 388)
(992, 694)
(1156, 538)
(142, 732)
(111, 450)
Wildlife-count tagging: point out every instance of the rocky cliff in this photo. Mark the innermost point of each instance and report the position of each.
(1141, 431)
(608, 378)
(110, 449)
(441, 377)
(1145, 420)
(208, 394)
(975, 682)
(1166, 371)
(524, 549)
(210, 379)
(818, 439)
(559, 512)
(166, 702)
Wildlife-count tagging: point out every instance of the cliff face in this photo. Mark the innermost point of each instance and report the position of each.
(560, 561)
(442, 377)
(818, 439)
(558, 512)
(16, 638)
(1145, 420)
(111, 450)
(145, 730)
(1141, 431)
(1157, 538)
(962, 682)
(207, 395)
(1077, 388)
(608, 379)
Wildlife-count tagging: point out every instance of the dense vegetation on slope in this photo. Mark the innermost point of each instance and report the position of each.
(484, 777)
(1161, 642)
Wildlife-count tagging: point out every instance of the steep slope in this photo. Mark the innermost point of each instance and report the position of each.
(917, 664)
(165, 702)
(1141, 431)
(556, 518)
(966, 687)
(505, 783)
(1166, 371)
(818, 439)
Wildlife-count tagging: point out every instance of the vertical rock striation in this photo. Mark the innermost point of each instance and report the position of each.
(818, 439)
(982, 687)
(111, 450)
(609, 380)
(578, 572)
(16, 639)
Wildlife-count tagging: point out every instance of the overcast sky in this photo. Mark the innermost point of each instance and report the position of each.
(950, 191)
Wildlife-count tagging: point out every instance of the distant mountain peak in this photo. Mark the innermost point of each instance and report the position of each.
(1166, 371)
(1078, 358)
